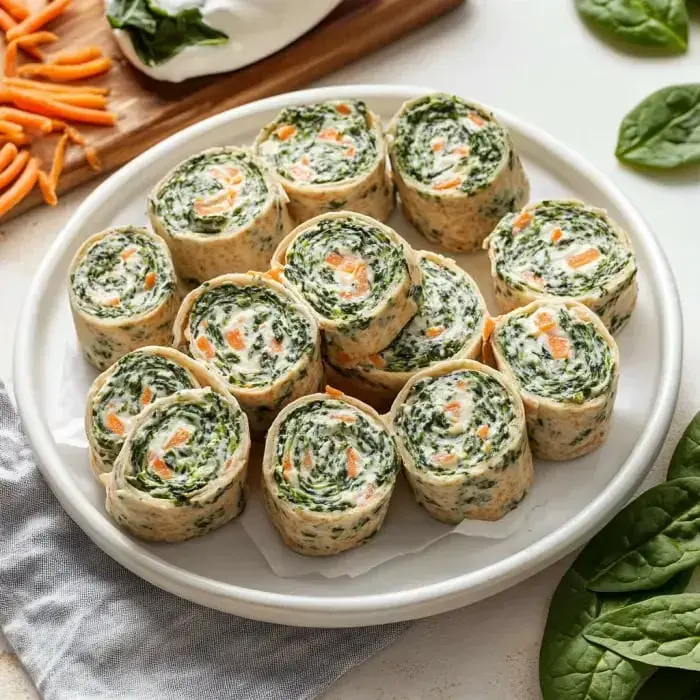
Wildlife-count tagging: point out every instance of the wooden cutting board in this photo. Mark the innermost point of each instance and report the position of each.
(150, 110)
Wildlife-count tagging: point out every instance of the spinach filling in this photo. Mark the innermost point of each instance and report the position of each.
(449, 313)
(330, 142)
(453, 422)
(124, 274)
(441, 135)
(587, 372)
(256, 335)
(313, 454)
(138, 379)
(536, 255)
(315, 260)
(212, 193)
(213, 427)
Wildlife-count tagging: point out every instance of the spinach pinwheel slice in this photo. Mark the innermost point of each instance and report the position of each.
(564, 248)
(182, 470)
(566, 365)
(220, 211)
(123, 293)
(455, 169)
(259, 342)
(449, 325)
(121, 392)
(460, 428)
(359, 277)
(329, 156)
(329, 470)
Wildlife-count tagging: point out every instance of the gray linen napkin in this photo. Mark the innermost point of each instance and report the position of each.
(85, 627)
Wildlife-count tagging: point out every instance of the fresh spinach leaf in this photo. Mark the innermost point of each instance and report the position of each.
(671, 684)
(661, 631)
(158, 36)
(661, 23)
(571, 667)
(651, 539)
(686, 457)
(663, 131)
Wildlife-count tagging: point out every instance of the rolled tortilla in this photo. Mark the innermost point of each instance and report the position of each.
(449, 325)
(455, 169)
(182, 470)
(564, 248)
(460, 428)
(219, 211)
(121, 392)
(566, 366)
(329, 156)
(359, 277)
(123, 293)
(256, 338)
(329, 470)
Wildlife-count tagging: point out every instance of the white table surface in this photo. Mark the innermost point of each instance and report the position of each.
(536, 59)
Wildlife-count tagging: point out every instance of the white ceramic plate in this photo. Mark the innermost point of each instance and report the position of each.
(224, 570)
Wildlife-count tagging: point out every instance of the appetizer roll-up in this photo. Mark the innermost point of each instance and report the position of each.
(358, 275)
(260, 342)
(455, 169)
(219, 211)
(449, 325)
(329, 470)
(566, 366)
(565, 249)
(182, 469)
(123, 293)
(329, 156)
(120, 393)
(460, 427)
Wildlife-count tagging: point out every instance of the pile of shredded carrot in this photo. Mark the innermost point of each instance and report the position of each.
(39, 98)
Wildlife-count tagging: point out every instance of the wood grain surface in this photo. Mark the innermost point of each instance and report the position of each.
(150, 110)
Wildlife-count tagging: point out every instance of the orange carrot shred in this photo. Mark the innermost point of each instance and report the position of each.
(146, 396)
(334, 392)
(376, 360)
(7, 127)
(581, 259)
(150, 280)
(285, 131)
(16, 9)
(482, 431)
(76, 56)
(353, 459)
(25, 118)
(177, 439)
(47, 190)
(522, 221)
(39, 19)
(114, 424)
(6, 21)
(559, 347)
(205, 347)
(65, 73)
(7, 155)
(447, 184)
(343, 108)
(93, 159)
(18, 139)
(79, 99)
(54, 87)
(58, 159)
(434, 331)
(10, 173)
(489, 325)
(235, 339)
(52, 108)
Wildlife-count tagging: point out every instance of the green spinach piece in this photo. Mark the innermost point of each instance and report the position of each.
(660, 23)
(661, 631)
(158, 36)
(671, 684)
(656, 536)
(686, 457)
(572, 667)
(663, 131)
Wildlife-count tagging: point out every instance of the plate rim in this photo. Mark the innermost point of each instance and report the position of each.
(389, 606)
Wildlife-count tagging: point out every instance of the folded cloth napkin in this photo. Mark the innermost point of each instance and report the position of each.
(84, 627)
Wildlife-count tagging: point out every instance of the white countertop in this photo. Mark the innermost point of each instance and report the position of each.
(536, 59)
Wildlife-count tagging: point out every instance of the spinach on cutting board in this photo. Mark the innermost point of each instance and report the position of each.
(155, 34)
(620, 612)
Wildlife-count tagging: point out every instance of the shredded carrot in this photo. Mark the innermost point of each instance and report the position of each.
(235, 339)
(7, 155)
(76, 56)
(59, 155)
(20, 116)
(545, 322)
(334, 392)
(26, 42)
(556, 235)
(93, 159)
(342, 108)
(150, 280)
(161, 468)
(146, 396)
(17, 9)
(7, 127)
(10, 173)
(177, 439)
(36, 39)
(205, 347)
(47, 189)
(489, 325)
(287, 467)
(6, 21)
(55, 87)
(9, 67)
(285, 131)
(275, 274)
(39, 19)
(18, 139)
(559, 347)
(581, 259)
(483, 431)
(114, 424)
(522, 221)
(65, 73)
(434, 331)
(447, 184)
(79, 99)
(354, 462)
(454, 408)
(444, 458)
(376, 360)
(52, 108)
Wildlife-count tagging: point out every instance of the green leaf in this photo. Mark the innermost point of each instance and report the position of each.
(571, 667)
(158, 36)
(653, 538)
(660, 631)
(662, 23)
(671, 684)
(663, 131)
(686, 457)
